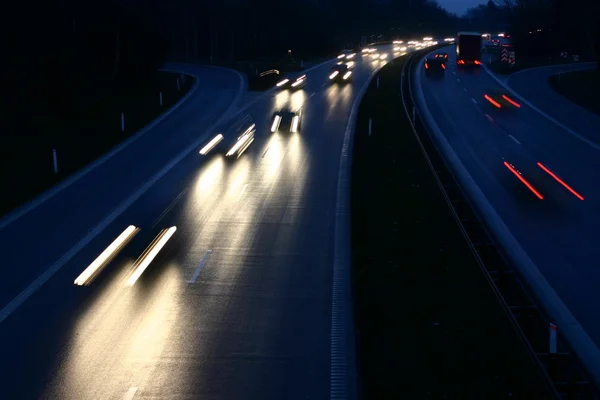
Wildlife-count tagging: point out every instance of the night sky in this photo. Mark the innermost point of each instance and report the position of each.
(459, 6)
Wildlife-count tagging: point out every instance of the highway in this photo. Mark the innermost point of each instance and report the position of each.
(237, 305)
(558, 231)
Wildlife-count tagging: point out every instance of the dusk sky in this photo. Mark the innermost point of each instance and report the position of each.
(459, 6)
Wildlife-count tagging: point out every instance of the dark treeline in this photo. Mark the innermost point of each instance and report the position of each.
(544, 28)
(60, 57)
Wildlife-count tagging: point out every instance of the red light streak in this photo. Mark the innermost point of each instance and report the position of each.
(552, 174)
(527, 184)
(511, 101)
(488, 98)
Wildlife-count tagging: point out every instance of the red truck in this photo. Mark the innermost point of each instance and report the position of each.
(468, 48)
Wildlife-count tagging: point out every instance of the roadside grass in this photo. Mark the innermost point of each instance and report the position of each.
(581, 87)
(80, 136)
(428, 325)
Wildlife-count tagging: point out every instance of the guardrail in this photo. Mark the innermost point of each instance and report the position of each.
(564, 374)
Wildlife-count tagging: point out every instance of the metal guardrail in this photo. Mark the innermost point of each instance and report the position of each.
(564, 374)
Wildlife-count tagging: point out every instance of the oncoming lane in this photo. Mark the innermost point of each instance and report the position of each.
(556, 228)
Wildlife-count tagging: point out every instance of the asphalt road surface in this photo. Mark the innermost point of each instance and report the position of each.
(237, 305)
(559, 232)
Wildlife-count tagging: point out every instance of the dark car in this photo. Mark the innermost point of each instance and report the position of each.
(443, 56)
(501, 100)
(286, 120)
(293, 83)
(340, 73)
(234, 141)
(435, 66)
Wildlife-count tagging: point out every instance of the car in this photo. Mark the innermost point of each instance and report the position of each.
(288, 120)
(435, 66)
(500, 100)
(234, 141)
(340, 73)
(443, 56)
(293, 83)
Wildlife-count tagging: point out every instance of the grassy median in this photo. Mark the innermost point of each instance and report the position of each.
(428, 324)
(81, 133)
(581, 87)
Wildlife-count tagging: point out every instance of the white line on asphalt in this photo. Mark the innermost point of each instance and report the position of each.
(474, 101)
(514, 138)
(15, 303)
(488, 117)
(19, 212)
(200, 266)
(130, 393)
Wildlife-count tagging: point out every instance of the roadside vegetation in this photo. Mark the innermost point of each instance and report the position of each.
(581, 87)
(428, 324)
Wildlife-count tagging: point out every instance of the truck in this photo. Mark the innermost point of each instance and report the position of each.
(468, 48)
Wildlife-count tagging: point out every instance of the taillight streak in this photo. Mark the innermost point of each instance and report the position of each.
(523, 180)
(511, 101)
(494, 102)
(557, 179)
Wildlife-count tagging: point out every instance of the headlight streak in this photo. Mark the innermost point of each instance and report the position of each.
(88, 275)
(150, 254)
(211, 145)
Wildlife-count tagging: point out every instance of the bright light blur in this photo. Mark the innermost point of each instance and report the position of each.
(211, 175)
(347, 74)
(299, 81)
(402, 48)
(341, 56)
(295, 122)
(449, 40)
(333, 74)
(396, 48)
(383, 56)
(275, 124)
(398, 42)
(350, 55)
(365, 50)
(427, 38)
(283, 82)
(241, 145)
(86, 277)
(211, 145)
(350, 64)
(150, 254)
(375, 56)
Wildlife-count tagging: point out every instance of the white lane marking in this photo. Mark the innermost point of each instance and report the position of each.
(243, 191)
(200, 266)
(457, 80)
(474, 101)
(453, 73)
(514, 138)
(488, 117)
(130, 393)
(166, 211)
(340, 359)
(312, 94)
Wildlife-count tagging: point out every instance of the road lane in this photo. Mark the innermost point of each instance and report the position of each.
(256, 322)
(559, 232)
(52, 228)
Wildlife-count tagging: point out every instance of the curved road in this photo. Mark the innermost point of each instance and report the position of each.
(238, 303)
(558, 232)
